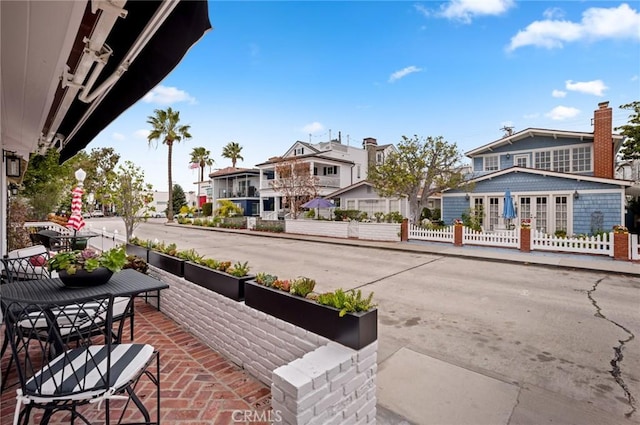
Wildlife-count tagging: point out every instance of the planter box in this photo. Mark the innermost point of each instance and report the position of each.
(355, 330)
(216, 281)
(167, 263)
(138, 251)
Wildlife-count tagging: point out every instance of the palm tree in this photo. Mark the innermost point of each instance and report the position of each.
(165, 125)
(200, 156)
(232, 151)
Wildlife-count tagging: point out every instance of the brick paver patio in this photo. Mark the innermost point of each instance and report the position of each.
(198, 386)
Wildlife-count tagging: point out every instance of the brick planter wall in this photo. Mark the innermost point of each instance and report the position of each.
(457, 235)
(262, 345)
(525, 240)
(621, 246)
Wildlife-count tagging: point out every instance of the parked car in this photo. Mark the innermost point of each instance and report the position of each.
(97, 213)
(158, 214)
(86, 215)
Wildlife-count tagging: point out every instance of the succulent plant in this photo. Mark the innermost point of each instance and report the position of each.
(302, 286)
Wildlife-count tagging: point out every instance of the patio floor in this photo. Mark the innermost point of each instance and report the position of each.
(198, 385)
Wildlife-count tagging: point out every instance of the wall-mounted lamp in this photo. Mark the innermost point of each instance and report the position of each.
(576, 195)
(13, 189)
(466, 197)
(13, 166)
(508, 155)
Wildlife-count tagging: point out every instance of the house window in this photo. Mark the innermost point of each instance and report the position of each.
(329, 171)
(562, 160)
(491, 163)
(521, 160)
(379, 157)
(541, 213)
(298, 151)
(394, 205)
(494, 212)
(478, 210)
(358, 172)
(525, 208)
(561, 213)
(351, 204)
(582, 159)
(543, 160)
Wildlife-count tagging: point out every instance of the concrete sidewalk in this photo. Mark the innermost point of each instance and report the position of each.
(415, 388)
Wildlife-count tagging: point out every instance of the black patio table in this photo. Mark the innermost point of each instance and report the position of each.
(125, 283)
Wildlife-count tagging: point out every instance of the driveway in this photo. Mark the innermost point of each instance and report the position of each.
(557, 333)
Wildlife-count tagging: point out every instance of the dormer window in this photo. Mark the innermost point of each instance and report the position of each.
(298, 151)
(491, 163)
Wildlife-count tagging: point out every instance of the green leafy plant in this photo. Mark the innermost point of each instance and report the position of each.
(347, 302)
(239, 269)
(136, 263)
(171, 249)
(266, 279)
(189, 255)
(88, 259)
(302, 286)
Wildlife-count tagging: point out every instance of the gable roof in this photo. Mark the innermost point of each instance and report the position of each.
(349, 188)
(536, 171)
(309, 146)
(532, 132)
(278, 159)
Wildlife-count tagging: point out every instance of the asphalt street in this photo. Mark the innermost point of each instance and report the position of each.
(566, 333)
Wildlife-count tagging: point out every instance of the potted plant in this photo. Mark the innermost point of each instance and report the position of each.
(221, 277)
(87, 267)
(165, 257)
(138, 248)
(344, 317)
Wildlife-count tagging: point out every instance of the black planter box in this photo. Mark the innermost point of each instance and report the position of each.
(216, 281)
(167, 263)
(355, 330)
(138, 251)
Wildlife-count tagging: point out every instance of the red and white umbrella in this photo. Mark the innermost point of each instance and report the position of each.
(76, 222)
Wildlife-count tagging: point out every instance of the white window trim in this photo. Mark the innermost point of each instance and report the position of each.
(517, 157)
(484, 162)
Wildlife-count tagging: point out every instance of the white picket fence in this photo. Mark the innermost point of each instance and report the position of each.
(503, 238)
(635, 247)
(437, 235)
(600, 244)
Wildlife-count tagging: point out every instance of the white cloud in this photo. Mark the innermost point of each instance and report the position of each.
(553, 13)
(558, 93)
(167, 95)
(403, 73)
(141, 134)
(466, 10)
(560, 113)
(313, 127)
(634, 78)
(118, 136)
(423, 10)
(595, 87)
(597, 23)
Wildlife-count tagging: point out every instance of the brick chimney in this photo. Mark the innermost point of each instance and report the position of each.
(370, 144)
(603, 141)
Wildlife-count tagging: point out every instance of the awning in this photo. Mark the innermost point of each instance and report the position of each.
(186, 24)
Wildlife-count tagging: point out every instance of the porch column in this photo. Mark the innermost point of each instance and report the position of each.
(621, 246)
(525, 239)
(457, 234)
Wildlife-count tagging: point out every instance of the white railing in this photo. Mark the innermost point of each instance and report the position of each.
(269, 215)
(437, 235)
(47, 225)
(503, 238)
(599, 244)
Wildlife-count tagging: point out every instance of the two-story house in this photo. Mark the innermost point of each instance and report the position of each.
(335, 164)
(560, 180)
(238, 185)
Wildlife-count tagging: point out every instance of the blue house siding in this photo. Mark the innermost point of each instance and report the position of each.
(596, 212)
(453, 207)
(590, 212)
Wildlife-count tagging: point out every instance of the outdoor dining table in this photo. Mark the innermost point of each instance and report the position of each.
(66, 242)
(126, 283)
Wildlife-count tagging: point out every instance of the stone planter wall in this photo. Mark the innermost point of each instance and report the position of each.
(304, 369)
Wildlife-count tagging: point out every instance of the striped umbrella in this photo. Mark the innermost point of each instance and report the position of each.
(76, 222)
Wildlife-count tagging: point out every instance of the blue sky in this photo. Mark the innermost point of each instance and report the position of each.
(273, 72)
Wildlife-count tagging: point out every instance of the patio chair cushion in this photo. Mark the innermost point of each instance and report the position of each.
(26, 263)
(127, 361)
(27, 252)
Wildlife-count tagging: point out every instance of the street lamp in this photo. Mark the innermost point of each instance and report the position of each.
(80, 176)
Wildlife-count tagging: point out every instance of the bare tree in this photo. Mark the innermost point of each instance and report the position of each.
(296, 183)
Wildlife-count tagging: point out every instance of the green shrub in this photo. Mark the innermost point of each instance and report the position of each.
(239, 269)
(394, 217)
(207, 209)
(341, 215)
(347, 302)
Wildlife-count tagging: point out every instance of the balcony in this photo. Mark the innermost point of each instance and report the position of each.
(198, 385)
(323, 181)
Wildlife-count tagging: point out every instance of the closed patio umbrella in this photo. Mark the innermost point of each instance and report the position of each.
(76, 221)
(508, 211)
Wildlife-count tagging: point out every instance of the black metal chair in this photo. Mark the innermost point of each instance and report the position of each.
(54, 377)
